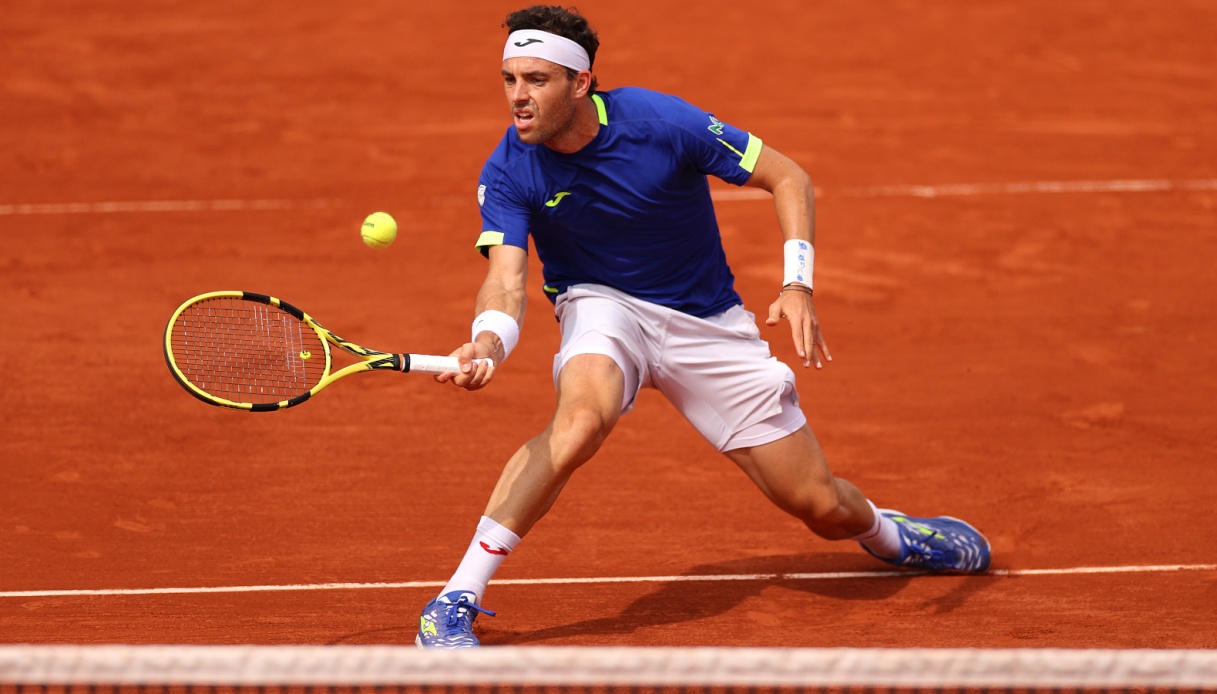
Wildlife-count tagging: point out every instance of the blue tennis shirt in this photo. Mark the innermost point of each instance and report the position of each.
(631, 210)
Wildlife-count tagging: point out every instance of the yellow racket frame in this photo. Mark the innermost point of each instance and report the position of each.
(370, 360)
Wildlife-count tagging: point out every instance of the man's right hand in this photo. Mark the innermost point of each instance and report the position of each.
(474, 374)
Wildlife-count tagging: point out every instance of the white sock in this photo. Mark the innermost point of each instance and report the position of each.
(491, 545)
(883, 538)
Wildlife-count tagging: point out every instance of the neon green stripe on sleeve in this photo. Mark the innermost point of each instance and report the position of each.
(726, 144)
(752, 153)
(601, 111)
(489, 238)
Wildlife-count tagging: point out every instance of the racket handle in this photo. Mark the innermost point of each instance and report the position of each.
(429, 364)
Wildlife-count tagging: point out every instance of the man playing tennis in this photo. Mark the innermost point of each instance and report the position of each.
(612, 188)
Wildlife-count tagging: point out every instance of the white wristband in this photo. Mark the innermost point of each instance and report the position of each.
(500, 324)
(800, 256)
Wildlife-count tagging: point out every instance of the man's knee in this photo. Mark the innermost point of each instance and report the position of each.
(577, 432)
(792, 472)
(812, 500)
(589, 403)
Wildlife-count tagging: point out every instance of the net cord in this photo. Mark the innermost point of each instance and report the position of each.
(621, 666)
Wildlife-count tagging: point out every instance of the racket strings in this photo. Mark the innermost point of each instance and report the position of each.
(245, 351)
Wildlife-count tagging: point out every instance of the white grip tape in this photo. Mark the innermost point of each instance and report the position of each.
(429, 364)
(500, 324)
(800, 256)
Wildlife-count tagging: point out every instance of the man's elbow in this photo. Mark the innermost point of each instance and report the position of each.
(797, 181)
(805, 182)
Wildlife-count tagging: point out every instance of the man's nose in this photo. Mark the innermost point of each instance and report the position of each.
(518, 93)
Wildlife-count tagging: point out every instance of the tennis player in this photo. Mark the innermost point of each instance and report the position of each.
(612, 188)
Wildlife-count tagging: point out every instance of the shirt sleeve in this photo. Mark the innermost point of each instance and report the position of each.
(714, 147)
(505, 214)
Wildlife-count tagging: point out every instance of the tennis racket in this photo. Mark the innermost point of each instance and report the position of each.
(258, 353)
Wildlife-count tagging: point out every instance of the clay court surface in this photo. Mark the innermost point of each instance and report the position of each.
(1015, 273)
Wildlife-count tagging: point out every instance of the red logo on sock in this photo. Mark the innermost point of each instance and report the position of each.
(496, 550)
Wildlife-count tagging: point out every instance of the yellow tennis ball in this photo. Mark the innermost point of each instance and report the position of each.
(379, 230)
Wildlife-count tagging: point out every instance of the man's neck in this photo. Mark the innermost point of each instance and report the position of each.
(583, 129)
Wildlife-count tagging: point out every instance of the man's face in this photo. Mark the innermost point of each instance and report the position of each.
(541, 96)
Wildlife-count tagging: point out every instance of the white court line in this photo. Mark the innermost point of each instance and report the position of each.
(734, 194)
(966, 189)
(974, 189)
(730, 195)
(826, 576)
(229, 205)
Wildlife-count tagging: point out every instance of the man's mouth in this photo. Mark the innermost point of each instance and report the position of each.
(523, 118)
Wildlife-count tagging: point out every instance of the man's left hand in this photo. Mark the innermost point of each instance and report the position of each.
(797, 307)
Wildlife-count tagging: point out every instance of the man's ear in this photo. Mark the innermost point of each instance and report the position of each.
(583, 83)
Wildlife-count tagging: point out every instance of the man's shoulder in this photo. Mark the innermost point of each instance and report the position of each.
(508, 153)
(638, 103)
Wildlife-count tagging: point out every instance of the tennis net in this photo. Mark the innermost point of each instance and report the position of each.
(572, 670)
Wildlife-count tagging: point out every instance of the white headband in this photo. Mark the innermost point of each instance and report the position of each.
(531, 43)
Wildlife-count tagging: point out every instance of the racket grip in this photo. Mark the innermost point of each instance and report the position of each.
(429, 364)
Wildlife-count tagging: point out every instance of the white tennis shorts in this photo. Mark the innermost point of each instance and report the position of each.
(716, 371)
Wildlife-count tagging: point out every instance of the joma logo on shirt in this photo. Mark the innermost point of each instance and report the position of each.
(557, 199)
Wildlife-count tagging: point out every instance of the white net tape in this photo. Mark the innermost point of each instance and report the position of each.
(619, 666)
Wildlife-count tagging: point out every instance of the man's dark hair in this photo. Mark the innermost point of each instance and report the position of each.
(563, 21)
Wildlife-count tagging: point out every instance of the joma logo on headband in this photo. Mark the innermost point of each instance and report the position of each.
(521, 44)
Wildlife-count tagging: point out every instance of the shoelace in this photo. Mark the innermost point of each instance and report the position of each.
(929, 554)
(462, 610)
(922, 547)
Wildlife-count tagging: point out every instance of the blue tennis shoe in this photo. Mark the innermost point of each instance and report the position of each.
(447, 621)
(942, 544)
